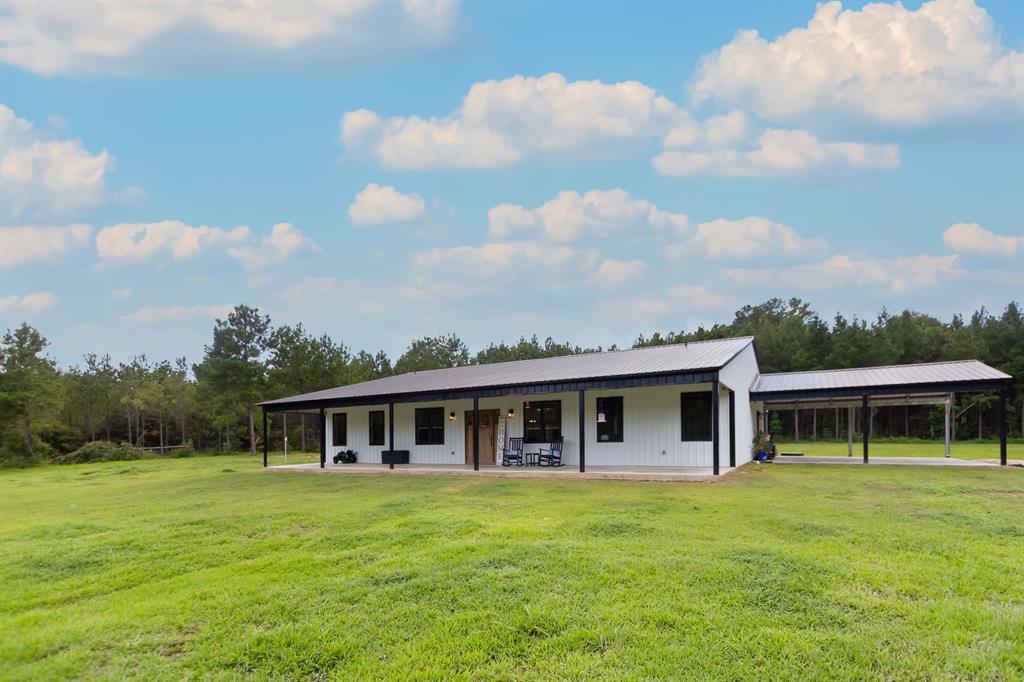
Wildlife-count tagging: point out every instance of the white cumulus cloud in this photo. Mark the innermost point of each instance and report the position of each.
(131, 38)
(127, 242)
(38, 302)
(973, 238)
(283, 242)
(883, 62)
(376, 205)
(570, 215)
(178, 313)
(489, 259)
(897, 274)
(613, 273)
(776, 153)
(746, 238)
(502, 122)
(41, 176)
(22, 244)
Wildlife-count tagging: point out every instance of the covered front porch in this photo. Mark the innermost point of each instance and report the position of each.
(615, 473)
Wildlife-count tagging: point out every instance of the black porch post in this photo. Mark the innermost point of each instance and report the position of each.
(715, 445)
(266, 437)
(865, 420)
(583, 432)
(476, 433)
(1002, 426)
(391, 434)
(732, 429)
(323, 438)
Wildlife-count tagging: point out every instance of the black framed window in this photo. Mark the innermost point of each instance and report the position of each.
(695, 409)
(542, 421)
(377, 427)
(339, 428)
(609, 420)
(429, 426)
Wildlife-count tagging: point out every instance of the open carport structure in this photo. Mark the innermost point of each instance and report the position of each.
(932, 383)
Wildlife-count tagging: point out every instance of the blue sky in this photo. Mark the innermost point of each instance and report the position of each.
(585, 172)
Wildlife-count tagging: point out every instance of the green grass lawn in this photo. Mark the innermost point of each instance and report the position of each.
(970, 449)
(208, 567)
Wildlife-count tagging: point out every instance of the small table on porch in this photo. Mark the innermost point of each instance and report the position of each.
(531, 459)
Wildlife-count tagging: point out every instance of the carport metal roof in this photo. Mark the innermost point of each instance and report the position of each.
(897, 383)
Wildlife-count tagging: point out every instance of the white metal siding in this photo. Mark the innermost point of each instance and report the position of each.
(651, 422)
(651, 429)
(738, 375)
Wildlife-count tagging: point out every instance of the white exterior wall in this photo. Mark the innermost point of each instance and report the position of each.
(738, 375)
(651, 426)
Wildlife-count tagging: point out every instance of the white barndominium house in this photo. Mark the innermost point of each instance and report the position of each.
(693, 406)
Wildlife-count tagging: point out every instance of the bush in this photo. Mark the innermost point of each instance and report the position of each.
(188, 450)
(102, 451)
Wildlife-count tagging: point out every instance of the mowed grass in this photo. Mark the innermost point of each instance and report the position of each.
(969, 449)
(209, 568)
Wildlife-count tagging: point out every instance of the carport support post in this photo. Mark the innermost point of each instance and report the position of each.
(323, 438)
(715, 445)
(265, 439)
(865, 417)
(476, 433)
(948, 430)
(732, 429)
(1002, 426)
(391, 434)
(849, 431)
(583, 432)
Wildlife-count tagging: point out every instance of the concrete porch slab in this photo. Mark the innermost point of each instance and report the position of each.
(911, 461)
(677, 474)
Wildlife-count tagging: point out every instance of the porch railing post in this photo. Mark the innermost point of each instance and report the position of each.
(476, 433)
(583, 431)
(323, 438)
(865, 423)
(715, 444)
(266, 438)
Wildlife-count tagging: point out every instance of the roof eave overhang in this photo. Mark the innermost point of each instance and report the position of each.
(697, 376)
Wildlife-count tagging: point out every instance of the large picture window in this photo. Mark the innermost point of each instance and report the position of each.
(339, 428)
(542, 421)
(609, 420)
(430, 426)
(377, 427)
(696, 416)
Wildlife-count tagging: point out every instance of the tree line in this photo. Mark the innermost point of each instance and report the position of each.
(47, 410)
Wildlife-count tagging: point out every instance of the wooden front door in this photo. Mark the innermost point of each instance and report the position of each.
(488, 435)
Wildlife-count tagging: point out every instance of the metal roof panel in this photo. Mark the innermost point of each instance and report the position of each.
(683, 357)
(866, 377)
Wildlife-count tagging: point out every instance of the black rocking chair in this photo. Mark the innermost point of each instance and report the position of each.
(551, 457)
(513, 454)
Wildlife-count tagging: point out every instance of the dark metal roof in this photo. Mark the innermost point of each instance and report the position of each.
(924, 375)
(637, 362)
